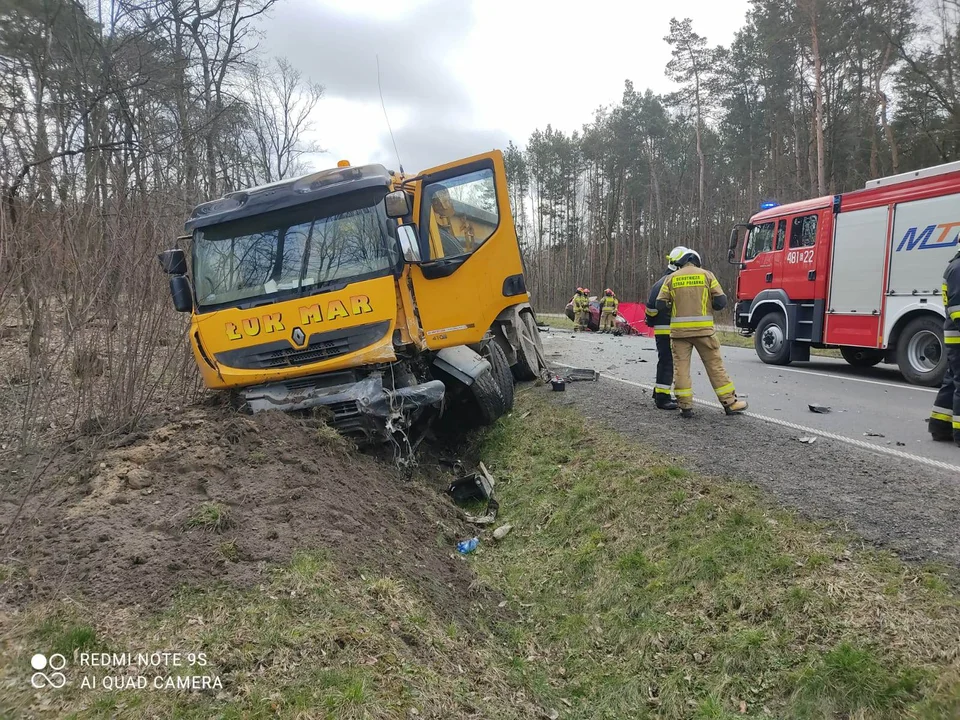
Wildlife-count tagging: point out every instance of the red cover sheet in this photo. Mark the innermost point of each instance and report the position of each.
(634, 314)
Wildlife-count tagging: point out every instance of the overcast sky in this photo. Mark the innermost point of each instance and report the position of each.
(466, 76)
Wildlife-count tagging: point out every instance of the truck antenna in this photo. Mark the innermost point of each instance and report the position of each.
(385, 117)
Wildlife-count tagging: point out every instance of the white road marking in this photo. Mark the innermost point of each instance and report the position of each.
(939, 464)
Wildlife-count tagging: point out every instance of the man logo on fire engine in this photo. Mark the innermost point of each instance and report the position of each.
(298, 337)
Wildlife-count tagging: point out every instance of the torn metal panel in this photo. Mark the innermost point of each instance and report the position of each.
(461, 363)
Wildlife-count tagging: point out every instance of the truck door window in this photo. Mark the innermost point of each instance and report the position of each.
(781, 233)
(463, 213)
(760, 240)
(803, 231)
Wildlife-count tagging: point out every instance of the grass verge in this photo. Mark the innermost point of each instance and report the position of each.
(632, 589)
(556, 321)
(648, 591)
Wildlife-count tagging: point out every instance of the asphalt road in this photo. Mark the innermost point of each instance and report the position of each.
(870, 408)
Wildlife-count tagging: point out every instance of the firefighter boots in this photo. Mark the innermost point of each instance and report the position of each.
(664, 401)
(736, 407)
(686, 413)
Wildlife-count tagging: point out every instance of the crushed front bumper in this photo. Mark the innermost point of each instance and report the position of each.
(362, 408)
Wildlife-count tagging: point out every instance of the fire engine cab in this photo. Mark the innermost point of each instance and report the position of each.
(860, 271)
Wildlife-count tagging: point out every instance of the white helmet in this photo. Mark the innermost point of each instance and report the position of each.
(689, 256)
(674, 255)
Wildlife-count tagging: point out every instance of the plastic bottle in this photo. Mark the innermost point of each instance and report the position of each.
(467, 546)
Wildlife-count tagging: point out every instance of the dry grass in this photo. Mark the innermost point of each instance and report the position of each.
(733, 339)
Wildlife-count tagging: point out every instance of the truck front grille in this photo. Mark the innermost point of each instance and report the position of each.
(321, 346)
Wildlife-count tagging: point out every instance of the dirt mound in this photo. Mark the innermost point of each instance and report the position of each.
(215, 496)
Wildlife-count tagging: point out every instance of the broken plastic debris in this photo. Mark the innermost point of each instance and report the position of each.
(819, 408)
(871, 433)
(808, 440)
(501, 532)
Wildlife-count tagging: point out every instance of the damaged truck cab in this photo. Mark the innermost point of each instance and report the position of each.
(385, 299)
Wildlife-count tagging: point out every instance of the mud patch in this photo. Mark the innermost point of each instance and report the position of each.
(218, 497)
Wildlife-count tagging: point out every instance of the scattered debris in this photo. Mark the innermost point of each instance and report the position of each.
(820, 409)
(808, 439)
(871, 433)
(464, 547)
(578, 374)
(474, 487)
(558, 383)
(501, 532)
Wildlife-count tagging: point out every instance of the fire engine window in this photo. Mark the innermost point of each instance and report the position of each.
(760, 241)
(803, 231)
(463, 213)
(781, 233)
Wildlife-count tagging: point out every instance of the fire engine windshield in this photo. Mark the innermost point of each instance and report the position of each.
(294, 251)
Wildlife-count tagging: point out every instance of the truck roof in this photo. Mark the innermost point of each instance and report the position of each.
(802, 206)
(288, 193)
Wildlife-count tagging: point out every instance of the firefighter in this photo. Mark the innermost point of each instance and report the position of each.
(690, 295)
(661, 333)
(581, 309)
(608, 311)
(944, 422)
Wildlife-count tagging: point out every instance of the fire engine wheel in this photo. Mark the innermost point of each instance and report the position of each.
(920, 354)
(529, 350)
(770, 340)
(487, 398)
(501, 371)
(862, 357)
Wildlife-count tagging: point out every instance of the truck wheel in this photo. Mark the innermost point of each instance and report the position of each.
(529, 349)
(501, 372)
(487, 398)
(862, 357)
(920, 354)
(770, 340)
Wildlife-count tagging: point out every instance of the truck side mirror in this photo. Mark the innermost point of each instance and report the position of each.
(409, 243)
(182, 294)
(398, 204)
(173, 262)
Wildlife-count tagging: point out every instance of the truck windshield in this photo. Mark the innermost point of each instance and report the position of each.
(760, 240)
(293, 251)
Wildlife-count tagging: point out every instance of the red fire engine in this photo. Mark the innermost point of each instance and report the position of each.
(859, 271)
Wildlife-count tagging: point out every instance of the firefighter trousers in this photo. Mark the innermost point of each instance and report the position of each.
(580, 319)
(946, 410)
(606, 320)
(708, 348)
(664, 365)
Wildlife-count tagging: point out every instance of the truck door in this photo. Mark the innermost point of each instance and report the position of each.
(471, 265)
(801, 256)
(758, 273)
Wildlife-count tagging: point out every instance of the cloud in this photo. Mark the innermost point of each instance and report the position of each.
(429, 107)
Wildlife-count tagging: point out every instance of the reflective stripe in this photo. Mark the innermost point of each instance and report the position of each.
(945, 417)
(951, 337)
(679, 392)
(662, 389)
(954, 312)
(652, 313)
(727, 389)
(661, 331)
(707, 324)
(714, 284)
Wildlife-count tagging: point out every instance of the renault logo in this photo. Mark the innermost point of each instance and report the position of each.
(298, 337)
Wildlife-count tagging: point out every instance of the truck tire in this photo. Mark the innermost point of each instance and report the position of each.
(770, 340)
(862, 357)
(501, 372)
(920, 352)
(487, 398)
(529, 349)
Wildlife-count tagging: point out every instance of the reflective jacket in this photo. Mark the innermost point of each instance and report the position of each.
(581, 303)
(951, 301)
(659, 323)
(609, 304)
(692, 294)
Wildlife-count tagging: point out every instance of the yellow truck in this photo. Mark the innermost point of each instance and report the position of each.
(387, 300)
